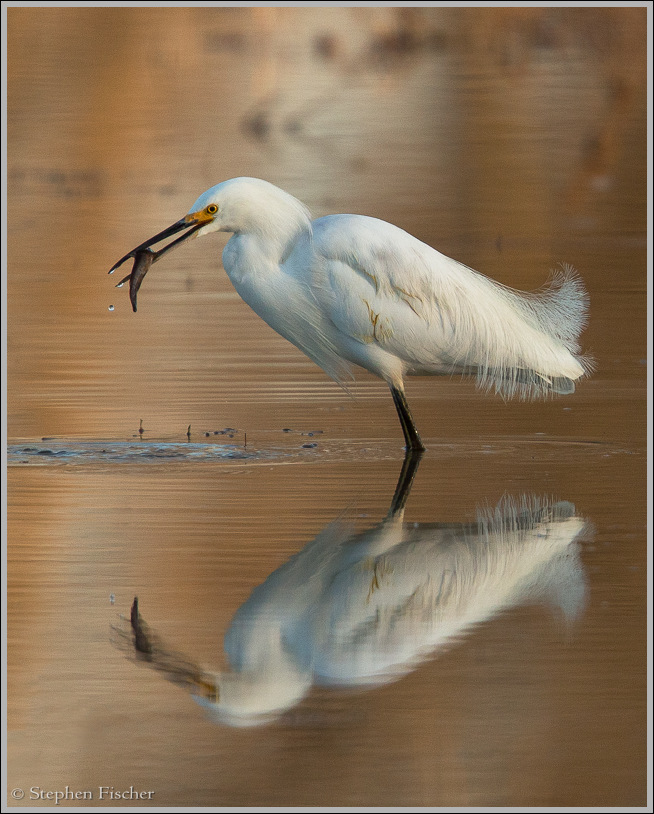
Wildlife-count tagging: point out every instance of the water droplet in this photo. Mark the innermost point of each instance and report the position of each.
(111, 308)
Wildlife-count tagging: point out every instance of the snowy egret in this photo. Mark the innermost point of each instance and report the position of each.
(365, 609)
(354, 289)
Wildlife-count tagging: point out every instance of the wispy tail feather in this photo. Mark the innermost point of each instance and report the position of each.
(561, 307)
(528, 383)
(557, 314)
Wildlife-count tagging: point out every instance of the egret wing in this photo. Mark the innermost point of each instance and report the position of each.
(383, 287)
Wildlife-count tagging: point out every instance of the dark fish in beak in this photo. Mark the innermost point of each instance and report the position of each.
(143, 259)
(144, 256)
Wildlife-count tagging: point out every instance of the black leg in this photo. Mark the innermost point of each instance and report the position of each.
(413, 442)
(403, 488)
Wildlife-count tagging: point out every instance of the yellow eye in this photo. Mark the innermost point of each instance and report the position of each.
(212, 209)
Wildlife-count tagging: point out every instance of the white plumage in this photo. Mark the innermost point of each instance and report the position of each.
(350, 289)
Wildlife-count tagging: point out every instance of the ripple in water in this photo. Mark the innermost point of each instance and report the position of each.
(126, 452)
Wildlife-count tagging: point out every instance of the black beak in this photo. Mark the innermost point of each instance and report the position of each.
(178, 226)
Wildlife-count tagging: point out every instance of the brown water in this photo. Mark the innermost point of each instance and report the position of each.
(510, 139)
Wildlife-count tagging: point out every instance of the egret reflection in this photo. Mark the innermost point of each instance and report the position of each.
(361, 609)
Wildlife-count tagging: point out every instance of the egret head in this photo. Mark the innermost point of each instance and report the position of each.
(240, 205)
(250, 206)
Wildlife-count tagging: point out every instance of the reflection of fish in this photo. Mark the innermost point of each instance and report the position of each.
(364, 609)
(143, 259)
(142, 642)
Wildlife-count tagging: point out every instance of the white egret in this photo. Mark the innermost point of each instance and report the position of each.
(353, 289)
